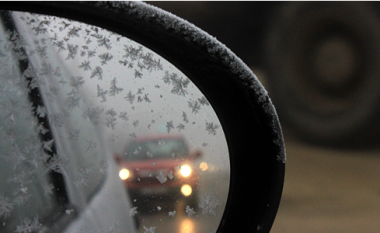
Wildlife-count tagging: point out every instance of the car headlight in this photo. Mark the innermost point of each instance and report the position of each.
(186, 190)
(203, 166)
(185, 170)
(124, 174)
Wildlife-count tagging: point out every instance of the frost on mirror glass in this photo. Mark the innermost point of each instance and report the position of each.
(100, 134)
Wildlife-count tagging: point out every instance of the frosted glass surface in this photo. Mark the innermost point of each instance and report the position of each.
(139, 147)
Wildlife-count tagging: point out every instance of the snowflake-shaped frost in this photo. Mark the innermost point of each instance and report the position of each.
(203, 101)
(57, 164)
(41, 51)
(208, 204)
(184, 117)
(150, 155)
(149, 230)
(93, 114)
(41, 111)
(46, 69)
(60, 45)
(72, 101)
(82, 178)
(114, 89)
(97, 72)
(6, 206)
(130, 97)
(211, 128)
(73, 32)
(172, 213)
(42, 129)
(48, 189)
(28, 226)
(104, 41)
(73, 135)
(179, 85)
(161, 142)
(170, 175)
(102, 94)
(105, 57)
(190, 211)
(76, 82)
(90, 145)
(169, 126)
(89, 52)
(111, 118)
(161, 177)
(85, 65)
(135, 123)
(132, 53)
(180, 127)
(138, 74)
(47, 145)
(124, 116)
(133, 211)
(146, 98)
(150, 63)
(194, 106)
(73, 50)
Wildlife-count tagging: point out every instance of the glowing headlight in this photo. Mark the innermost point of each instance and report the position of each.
(186, 190)
(203, 166)
(124, 174)
(185, 170)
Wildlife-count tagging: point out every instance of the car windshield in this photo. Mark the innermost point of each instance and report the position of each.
(157, 149)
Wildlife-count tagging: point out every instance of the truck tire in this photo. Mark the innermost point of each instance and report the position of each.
(323, 61)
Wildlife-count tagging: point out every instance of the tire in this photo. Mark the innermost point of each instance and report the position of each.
(323, 61)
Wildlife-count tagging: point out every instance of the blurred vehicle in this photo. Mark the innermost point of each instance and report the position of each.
(160, 166)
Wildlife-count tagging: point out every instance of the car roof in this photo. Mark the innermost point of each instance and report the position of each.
(158, 137)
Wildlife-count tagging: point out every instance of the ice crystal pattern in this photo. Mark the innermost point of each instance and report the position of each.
(208, 204)
(29, 225)
(149, 229)
(190, 211)
(211, 128)
(133, 211)
(114, 89)
(89, 77)
(6, 206)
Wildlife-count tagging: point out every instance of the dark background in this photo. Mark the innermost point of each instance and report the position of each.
(241, 26)
(332, 172)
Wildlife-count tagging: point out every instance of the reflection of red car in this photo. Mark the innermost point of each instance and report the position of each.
(160, 165)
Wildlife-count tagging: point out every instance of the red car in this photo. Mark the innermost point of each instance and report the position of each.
(160, 166)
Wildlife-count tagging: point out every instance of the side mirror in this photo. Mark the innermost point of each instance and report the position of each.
(128, 68)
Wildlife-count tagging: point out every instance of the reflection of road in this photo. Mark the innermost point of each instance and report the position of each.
(158, 220)
(180, 223)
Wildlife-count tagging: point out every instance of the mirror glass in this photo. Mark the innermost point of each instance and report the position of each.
(101, 134)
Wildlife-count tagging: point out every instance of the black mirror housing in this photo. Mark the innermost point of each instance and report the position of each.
(247, 115)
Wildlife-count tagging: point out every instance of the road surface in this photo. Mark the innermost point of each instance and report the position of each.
(329, 191)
